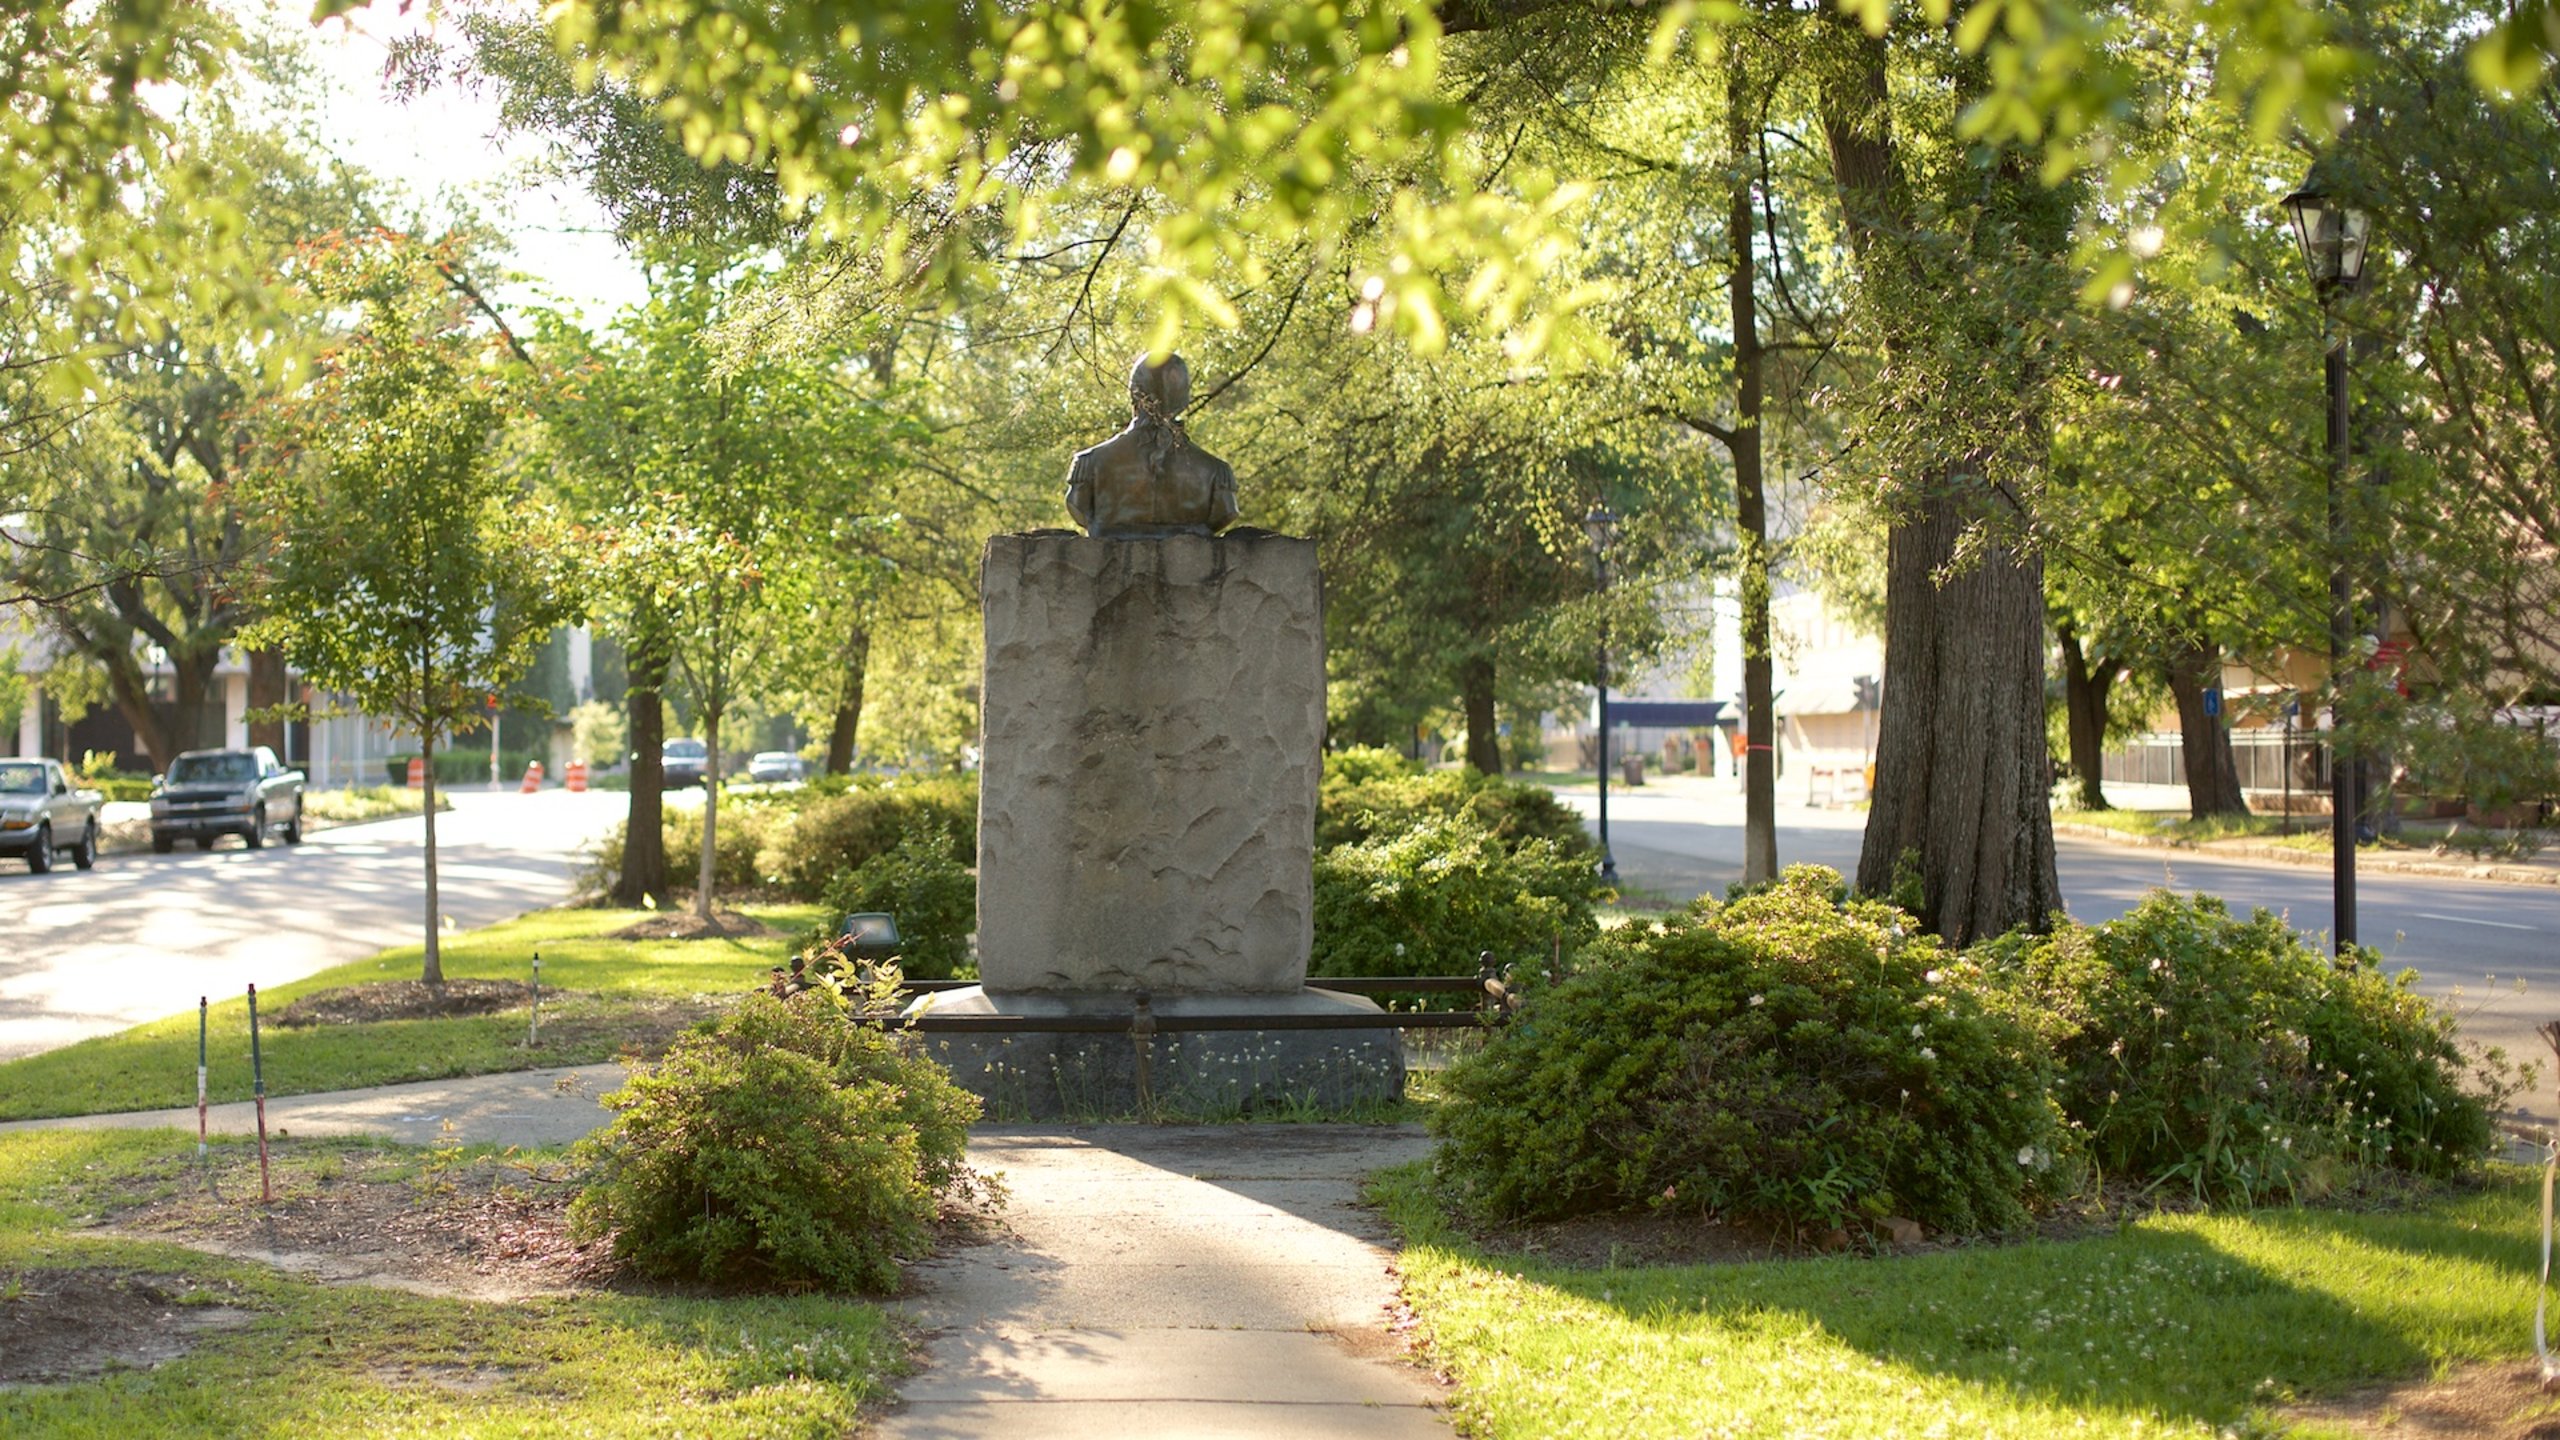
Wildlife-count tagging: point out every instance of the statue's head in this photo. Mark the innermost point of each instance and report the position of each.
(1161, 391)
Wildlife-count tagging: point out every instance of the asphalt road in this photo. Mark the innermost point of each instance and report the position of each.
(2493, 947)
(141, 936)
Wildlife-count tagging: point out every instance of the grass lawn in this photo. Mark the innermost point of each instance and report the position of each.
(2176, 1325)
(611, 990)
(2179, 825)
(299, 1358)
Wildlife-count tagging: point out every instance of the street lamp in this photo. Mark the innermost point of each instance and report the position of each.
(2333, 236)
(1601, 528)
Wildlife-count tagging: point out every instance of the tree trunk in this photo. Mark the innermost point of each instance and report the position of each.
(710, 814)
(433, 972)
(191, 727)
(2084, 709)
(1475, 693)
(2213, 781)
(267, 689)
(1961, 768)
(644, 841)
(1751, 511)
(843, 737)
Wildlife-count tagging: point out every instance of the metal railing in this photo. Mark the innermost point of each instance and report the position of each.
(1494, 1006)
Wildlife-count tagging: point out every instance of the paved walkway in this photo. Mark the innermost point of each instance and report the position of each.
(1203, 1281)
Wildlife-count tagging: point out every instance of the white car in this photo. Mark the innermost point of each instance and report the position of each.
(774, 767)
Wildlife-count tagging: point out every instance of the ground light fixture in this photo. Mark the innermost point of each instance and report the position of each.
(1600, 527)
(2334, 237)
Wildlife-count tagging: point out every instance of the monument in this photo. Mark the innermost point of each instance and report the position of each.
(1153, 708)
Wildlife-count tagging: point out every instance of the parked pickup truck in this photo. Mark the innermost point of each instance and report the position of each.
(208, 794)
(42, 814)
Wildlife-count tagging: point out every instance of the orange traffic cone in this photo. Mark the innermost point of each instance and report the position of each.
(532, 776)
(577, 777)
(417, 772)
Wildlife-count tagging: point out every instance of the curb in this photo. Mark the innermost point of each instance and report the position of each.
(2394, 864)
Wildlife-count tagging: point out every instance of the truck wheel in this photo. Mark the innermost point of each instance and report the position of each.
(257, 836)
(205, 842)
(293, 827)
(162, 842)
(40, 859)
(85, 855)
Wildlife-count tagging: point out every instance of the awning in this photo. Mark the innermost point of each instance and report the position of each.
(1835, 697)
(1663, 714)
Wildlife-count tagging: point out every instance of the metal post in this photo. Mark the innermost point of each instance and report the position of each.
(1608, 860)
(2342, 784)
(202, 1004)
(533, 1031)
(258, 1087)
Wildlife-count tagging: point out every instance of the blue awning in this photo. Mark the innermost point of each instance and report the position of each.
(1664, 714)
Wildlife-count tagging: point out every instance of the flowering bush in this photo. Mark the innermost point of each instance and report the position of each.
(1428, 899)
(1789, 1058)
(2229, 1057)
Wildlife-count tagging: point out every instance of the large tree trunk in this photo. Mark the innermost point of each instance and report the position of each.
(2213, 781)
(643, 880)
(267, 690)
(1475, 694)
(844, 736)
(1751, 510)
(1961, 767)
(2084, 710)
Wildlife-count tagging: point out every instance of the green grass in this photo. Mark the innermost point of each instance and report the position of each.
(612, 987)
(368, 802)
(2178, 825)
(318, 1360)
(2176, 1325)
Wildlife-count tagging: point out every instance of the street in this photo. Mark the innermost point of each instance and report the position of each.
(141, 936)
(2480, 939)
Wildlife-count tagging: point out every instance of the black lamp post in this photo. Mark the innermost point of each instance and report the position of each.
(1601, 527)
(2333, 237)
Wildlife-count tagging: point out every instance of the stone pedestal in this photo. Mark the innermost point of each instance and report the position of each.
(1154, 734)
(1154, 714)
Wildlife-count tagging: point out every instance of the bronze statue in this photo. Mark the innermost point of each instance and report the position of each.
(1150, 479)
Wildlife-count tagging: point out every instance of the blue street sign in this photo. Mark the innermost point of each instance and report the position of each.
(2213, 701)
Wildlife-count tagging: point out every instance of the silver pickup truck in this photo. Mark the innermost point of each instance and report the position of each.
(43, 815)
(208, 794)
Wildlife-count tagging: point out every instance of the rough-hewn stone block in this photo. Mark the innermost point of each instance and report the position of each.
(1154, 727)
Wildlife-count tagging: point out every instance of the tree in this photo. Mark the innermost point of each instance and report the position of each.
(411, 571)
(724, 478)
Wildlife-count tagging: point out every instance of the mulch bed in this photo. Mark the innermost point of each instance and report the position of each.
(686, 925)
(405, 1000)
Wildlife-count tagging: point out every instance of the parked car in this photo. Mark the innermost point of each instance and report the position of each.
(681, 762)
(42, 814)
(775, 767)
(208, 794)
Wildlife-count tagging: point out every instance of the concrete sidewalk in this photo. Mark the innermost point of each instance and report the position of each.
(526, 1107)
(1202, 1281)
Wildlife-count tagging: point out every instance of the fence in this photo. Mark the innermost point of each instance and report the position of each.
(2264, 758)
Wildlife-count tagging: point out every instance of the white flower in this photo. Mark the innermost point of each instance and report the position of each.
(1919, 1030)
(1934, 976)
(1759, 999)
(1928, 1054)
(2026, 1155)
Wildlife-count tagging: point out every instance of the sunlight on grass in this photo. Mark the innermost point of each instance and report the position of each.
(349, 1360)
(2174, 1326)
(600, 979)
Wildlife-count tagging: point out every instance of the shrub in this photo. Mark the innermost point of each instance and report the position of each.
(783, 1146)
(833, 835)
(1427, 901)
(1370, 793)
(1789, 1058)
(933, 896)
(2230, 1057)
(746, 831)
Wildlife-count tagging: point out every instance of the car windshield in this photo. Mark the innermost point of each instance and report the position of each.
(215, 769)
(775, 757)
(21, 779)
(690, 749)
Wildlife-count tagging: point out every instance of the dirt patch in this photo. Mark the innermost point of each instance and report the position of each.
(404, 1000)
(686, 925)
(2500, 1401)
(60, 1325)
